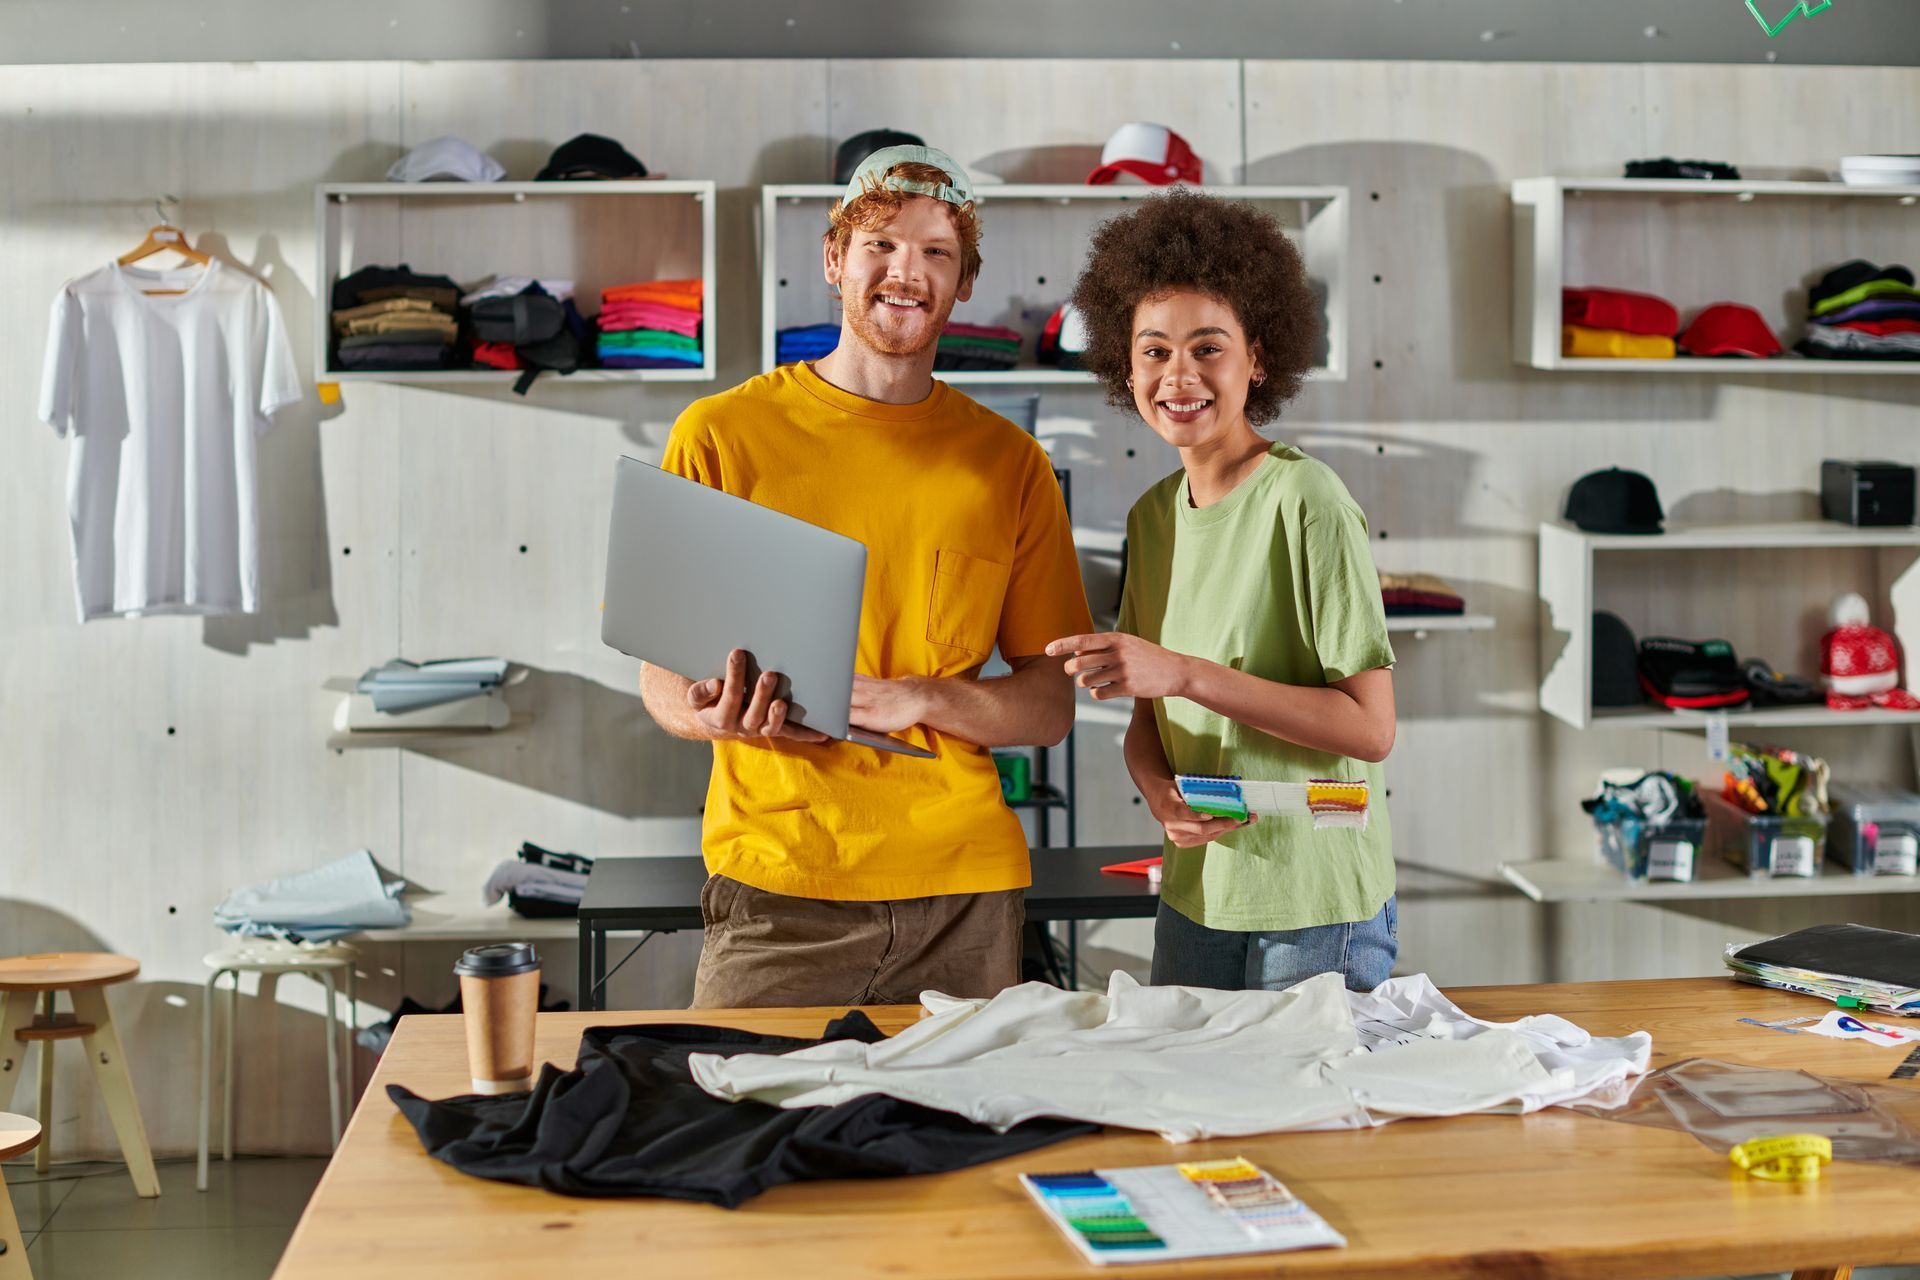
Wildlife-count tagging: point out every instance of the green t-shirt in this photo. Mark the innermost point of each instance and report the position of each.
(1274, 579)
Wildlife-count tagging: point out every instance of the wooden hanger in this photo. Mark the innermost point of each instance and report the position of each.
(161, 237)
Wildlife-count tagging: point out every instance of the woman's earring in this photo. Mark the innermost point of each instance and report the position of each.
(1260, 380)
(1129, 384)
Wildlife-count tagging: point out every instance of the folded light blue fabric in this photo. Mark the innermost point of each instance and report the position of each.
(331, 901)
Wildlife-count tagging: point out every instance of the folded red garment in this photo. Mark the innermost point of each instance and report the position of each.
(496, 355)
(1881, 328)
(635, 315)
(1619, 309)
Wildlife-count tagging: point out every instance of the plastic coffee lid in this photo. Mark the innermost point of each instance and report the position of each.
(498, 960)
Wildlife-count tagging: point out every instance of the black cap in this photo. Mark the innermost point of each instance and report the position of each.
(590, 156)
(497, 960)
(862, 145)
(1615, 501)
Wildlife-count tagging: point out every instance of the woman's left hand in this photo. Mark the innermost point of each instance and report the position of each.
(1114, 664)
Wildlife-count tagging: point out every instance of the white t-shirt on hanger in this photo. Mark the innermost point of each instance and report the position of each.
(163, 396)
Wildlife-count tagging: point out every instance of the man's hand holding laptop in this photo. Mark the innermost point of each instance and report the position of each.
(731, 708)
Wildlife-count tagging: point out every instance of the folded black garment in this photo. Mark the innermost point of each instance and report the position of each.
(1668, 167)
(1821, 351)
(396, 338)
(398, 355)
(370, 284)
(1767, 687)
(630, 1121)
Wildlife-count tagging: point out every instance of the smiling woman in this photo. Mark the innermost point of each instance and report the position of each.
(1229, 252)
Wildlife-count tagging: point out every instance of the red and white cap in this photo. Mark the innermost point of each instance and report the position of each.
(1151, 153)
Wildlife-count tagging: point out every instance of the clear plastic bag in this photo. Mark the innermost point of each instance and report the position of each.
(1726, 1103)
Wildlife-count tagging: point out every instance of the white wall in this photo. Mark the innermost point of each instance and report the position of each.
(395, 524)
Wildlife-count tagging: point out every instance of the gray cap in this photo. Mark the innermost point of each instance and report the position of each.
(957, 190)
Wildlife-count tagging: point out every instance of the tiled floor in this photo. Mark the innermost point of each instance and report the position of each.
(83, 1222)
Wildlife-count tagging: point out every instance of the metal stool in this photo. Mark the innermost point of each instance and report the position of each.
(268, 957)
(17, 1134)
(84, 976)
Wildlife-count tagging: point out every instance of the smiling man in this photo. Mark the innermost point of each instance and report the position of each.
(841, 874)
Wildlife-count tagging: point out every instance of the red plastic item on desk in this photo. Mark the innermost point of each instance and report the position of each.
(1137, 868)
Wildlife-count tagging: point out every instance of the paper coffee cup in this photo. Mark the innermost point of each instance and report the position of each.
(499, 994)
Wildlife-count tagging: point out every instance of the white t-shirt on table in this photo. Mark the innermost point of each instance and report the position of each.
(163, 396)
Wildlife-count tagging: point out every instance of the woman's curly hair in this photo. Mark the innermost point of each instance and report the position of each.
(1229, 249)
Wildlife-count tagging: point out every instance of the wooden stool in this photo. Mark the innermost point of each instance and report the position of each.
(267, 957)
(17, 1134)
(84, 976)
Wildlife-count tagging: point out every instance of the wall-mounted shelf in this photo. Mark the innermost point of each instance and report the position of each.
(1420, 627)
(596, 234)
(1695, 243)
(1035, 244)
(1772, 608)
(1573, 880)
(426, 739)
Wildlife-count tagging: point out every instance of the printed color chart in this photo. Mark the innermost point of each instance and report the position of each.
(1157, 1213)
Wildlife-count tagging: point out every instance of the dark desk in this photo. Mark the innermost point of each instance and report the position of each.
(661, 895)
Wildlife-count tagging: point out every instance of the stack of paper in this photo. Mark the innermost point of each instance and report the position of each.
(1873, 968)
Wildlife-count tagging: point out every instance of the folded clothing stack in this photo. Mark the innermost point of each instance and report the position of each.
(1860, 311)
(805, 342)
(977, 346)
(539, 882)
(1419, 595)
(395, 318)
(1617, 324)
(651, 325)
(502, 354)
(1691, 675)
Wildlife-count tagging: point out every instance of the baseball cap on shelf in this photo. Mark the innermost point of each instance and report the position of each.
(1730, 329)
(956, 191)
(861, 145)
(590, 156)
(1152, 153)
(1064, 338)
(447, 159)
(1615, 501)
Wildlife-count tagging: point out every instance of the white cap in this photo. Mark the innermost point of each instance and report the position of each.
(446, 159)
(1073, 330)
(1146, 152)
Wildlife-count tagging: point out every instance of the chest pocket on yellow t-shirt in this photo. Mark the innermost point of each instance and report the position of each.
(967, 594)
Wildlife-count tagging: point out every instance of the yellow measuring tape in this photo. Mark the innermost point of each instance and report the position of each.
(1790, 1157)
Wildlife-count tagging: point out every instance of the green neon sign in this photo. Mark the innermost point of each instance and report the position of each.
(1803, 9)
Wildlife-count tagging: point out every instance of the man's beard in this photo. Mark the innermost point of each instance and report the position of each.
(876, 338)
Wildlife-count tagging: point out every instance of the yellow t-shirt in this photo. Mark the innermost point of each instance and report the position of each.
(968, 545)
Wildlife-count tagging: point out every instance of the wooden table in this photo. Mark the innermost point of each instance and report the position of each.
(1554, 1194)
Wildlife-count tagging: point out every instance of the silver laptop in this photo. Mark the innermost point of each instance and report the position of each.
(694, 573)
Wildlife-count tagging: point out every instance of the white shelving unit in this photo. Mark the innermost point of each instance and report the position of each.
(594, 233)
(1036, 240)
(1695, 243)
(1805, 563)
(1421, 627)
(1570, 880)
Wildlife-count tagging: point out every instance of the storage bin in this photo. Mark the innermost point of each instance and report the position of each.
(1640, 851)
(1764, 844)
(1875, 829)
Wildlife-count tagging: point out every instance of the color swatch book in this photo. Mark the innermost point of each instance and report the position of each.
(1330, 802)
(1165, 1212)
